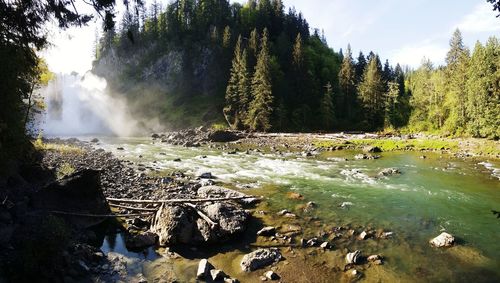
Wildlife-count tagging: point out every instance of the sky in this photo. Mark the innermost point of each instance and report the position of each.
(403, 31)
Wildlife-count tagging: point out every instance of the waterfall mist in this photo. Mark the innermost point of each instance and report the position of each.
(81, 105)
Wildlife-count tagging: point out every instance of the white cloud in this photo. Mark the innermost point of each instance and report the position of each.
(482, 19)
(413, 55)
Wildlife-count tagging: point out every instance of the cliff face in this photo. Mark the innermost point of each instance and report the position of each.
(179, 87)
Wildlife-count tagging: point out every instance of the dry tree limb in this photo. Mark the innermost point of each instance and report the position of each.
(203, 215)
(177, 200)
(100, 215)
(133, 208)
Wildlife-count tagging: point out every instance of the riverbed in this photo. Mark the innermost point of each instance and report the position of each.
(432, 194)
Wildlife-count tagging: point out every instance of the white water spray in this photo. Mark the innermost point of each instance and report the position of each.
(79, 106)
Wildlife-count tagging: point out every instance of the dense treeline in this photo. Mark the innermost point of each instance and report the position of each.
(272, 74)
(462, 97)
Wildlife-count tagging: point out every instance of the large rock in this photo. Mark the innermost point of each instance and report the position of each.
(79, 192)
(222, 136)
(173, 225)
(184, 225)
(204, 268)
(443, 240)
(260, 258)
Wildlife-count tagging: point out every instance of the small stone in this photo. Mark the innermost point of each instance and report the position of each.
(271, 275)
(120, 148)
(373, 258)
(283, 212)
(377, 262)
(217, 274)
(294, 195)
(325, 245)
(354, 273)
(267, 231)
(177, 160)
(386, 235)
(353, 258)
(207, 175)
(363, 235)
(313, 242)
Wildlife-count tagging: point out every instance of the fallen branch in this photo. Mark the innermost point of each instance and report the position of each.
(133, 208)
(203, 215)
(177, 200)
(101, 215)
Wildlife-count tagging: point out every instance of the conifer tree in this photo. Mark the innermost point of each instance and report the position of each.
(237, 90)
(360, 67)
(457, 60)
(347, 83)
(297, 56)
(371, 92)
(226, 37)
(327, 108)
(260, 108)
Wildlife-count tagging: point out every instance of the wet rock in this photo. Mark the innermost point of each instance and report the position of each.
(260, 258)
(177, 160)
(271, 275)
(389, 172)
(120, 148)
(206, 175)
(373, 257)
(386, 235)
(140, 241)
(94, 140)
(325, 245)
(155, 136)
(313, 242)
(204, 268)
(360, 156)
(443, 240)
(267, 231)
(364, 235)
(283, 212)
(353, 258)
(371, 149)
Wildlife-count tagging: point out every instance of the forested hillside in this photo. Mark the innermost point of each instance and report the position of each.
(258, 67)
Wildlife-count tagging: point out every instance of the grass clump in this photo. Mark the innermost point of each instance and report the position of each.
(64, 169)
(62, 148)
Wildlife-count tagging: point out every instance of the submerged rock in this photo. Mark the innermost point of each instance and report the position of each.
(372, 149)
(140, 241)
(353, 258)
(443, 240)
(260, 258)
(217, 191)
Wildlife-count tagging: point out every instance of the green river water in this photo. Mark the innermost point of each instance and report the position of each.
(435, 194)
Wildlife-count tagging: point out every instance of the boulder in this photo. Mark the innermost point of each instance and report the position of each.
(184, 225)
(260, 258)
(353, 258)
(80, 192)
(443, 240)
(222, 136)
(206, 175)
(173, 225)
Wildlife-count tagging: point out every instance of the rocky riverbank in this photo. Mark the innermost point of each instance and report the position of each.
(310, 144)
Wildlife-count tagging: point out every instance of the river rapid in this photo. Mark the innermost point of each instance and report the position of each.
(433, 194)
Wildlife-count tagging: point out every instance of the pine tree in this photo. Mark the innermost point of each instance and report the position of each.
(237, 90)
(347, 83)
(457, 59)
(327, 108)
(297, 57)
(360, 67)
(371, 92)
(483, 90)
(226, 37)
(260, 107)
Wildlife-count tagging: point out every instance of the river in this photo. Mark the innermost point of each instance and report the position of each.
(433, 194)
